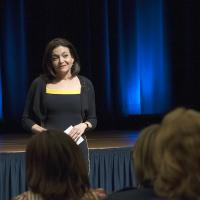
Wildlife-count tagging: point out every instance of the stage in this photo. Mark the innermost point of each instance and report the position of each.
(111, 164)
(13, 142)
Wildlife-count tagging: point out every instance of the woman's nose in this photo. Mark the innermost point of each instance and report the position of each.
(61, 59)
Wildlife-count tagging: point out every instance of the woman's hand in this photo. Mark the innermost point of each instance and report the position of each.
(37, 129)
(94, 194)
(77, 131)
(100, 192)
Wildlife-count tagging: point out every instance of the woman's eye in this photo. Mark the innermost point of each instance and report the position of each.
(65, 56)
(54, 58)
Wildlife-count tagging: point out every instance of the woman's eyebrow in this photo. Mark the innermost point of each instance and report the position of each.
(54, 54)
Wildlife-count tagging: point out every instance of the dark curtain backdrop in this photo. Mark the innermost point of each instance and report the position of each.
(183, 24)
(142, 56)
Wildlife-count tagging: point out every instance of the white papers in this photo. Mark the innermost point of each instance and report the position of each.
(67, 131)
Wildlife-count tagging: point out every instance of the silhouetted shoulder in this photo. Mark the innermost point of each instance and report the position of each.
(132, 193)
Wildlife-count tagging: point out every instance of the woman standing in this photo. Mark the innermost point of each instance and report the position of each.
(60, 97)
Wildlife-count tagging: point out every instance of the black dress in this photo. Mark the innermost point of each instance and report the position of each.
(63, 109)
(35, 110)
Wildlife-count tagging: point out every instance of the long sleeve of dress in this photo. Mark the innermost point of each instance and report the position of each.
(32, 113)
(91, 111)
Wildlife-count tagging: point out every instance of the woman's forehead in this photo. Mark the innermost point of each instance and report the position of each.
(60, 49)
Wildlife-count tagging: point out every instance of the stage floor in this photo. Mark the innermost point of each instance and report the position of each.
(96, 139)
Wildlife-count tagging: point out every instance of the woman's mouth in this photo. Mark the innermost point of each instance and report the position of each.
(62, 66)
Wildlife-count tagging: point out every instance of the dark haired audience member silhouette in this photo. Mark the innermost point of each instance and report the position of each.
(177, 156)
(171, 167)
(144, 167)
(55, 170)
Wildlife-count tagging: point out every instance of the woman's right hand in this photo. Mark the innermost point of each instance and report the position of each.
(37, 129)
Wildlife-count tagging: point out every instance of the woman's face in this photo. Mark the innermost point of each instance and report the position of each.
(62, 60)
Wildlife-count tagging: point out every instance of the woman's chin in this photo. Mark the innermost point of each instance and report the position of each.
(63, 73)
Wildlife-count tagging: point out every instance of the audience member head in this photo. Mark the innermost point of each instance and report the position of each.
(143, 155)
(47, 58)
(177, 155)
(55, 166)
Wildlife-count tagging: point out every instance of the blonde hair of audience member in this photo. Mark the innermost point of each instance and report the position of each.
(143, 155)
(177, 155)
(55, 167)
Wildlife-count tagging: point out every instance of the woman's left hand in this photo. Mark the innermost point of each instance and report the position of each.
(94, 194)
(77, 131)
(100, 192)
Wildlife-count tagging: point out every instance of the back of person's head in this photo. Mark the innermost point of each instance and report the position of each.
(55, 166)
(143, 155)
(177, 155)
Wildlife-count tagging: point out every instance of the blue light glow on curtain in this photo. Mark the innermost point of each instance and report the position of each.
(127, 72)
(143, 69)
(14, 56)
